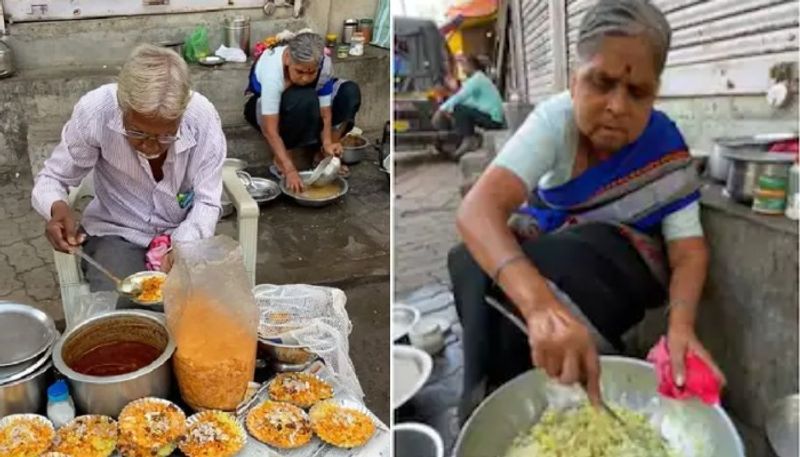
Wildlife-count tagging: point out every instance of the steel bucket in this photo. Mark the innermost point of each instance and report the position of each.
(237, 33)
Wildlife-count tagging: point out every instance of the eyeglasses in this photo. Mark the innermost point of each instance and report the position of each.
(161, 139)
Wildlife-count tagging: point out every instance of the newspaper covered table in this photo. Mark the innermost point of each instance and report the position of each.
(377, 446)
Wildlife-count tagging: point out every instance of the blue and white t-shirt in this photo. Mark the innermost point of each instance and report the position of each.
(269, 72)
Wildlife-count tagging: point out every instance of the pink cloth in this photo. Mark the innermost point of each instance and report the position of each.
(156, 251)
(700, 382)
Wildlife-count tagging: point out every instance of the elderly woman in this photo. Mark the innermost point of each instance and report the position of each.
(605, 222)
(155, 149)
(477, 104)
(299, 105)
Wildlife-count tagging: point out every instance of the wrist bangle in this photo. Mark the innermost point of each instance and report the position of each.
(506, 262)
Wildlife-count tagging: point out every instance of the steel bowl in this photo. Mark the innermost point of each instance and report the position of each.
(25, 333)
(692, 427)
(109, 394)
(418, 440)
(236, 164)
(343, 188)
(782, 423)
(27, 395)
(227, 206)
(263, 190)
(354, 153)
(286, 354)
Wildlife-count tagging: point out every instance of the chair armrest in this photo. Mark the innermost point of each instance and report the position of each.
(246, 207)
(247, 213)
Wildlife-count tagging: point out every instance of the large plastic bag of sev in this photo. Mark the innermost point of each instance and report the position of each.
(212, 315)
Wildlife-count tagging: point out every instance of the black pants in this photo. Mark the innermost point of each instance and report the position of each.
(465, 119)
(594, 264)
(300, 122)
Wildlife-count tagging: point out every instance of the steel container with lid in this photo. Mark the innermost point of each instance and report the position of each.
(237, 33)
(348, 29)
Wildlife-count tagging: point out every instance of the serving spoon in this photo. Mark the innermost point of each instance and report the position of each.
(123, 287)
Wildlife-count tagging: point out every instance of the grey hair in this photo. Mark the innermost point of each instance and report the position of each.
(625, 18)
(306, 47)
(154, 82)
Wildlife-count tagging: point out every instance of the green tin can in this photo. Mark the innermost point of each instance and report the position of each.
(769, 196)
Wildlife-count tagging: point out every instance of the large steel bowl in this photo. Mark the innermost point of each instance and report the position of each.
(109, 394)
(693, 428)
(26, 395)
(341, 182)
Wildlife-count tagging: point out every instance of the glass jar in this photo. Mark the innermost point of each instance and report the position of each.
(365, 27)
(357, 44)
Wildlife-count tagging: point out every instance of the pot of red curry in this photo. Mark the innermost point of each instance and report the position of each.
(115, 358)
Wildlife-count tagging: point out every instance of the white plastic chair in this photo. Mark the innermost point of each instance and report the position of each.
(70, 276)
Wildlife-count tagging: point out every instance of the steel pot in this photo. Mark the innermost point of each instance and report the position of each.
(25, 395)
(109, 394)
(746, 168)
(416, 439)
(719, 165)
(353, 154)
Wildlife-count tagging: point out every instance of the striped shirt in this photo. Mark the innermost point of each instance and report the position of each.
(129, 202)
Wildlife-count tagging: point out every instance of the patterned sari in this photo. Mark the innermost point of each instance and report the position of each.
(597, 244)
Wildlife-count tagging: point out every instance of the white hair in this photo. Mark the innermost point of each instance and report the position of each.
(625, 18)
(154, 82)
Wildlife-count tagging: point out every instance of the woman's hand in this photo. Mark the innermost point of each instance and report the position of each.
(680, 339)
(333, 149)
(563, 347)
(293, 181)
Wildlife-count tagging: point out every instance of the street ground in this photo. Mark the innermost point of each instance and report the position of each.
(426, 199)
(345, 245)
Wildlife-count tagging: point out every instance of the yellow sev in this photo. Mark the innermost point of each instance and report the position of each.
(25, 438)
(341, 427)
(151, 289)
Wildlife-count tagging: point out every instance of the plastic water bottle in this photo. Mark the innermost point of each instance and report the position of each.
(60, 408)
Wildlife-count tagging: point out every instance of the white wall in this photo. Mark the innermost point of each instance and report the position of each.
(429, 9)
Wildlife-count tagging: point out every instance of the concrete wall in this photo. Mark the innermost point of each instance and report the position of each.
(342, 10)
(701, 119)
(60, 61)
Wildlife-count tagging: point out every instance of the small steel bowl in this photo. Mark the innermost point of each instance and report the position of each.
(782, 421)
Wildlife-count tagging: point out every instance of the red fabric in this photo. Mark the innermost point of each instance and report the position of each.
(700, 382)
(789, 146)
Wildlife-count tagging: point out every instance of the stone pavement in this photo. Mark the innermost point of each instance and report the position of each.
(426, 199)
(27, 274)
(427, 196)
(345, 245)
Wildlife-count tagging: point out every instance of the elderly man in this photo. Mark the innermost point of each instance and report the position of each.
(156, 149)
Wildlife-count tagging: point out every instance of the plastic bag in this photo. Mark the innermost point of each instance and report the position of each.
(196, 45)
(212, 315)
(91, 304)
(313, 317)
